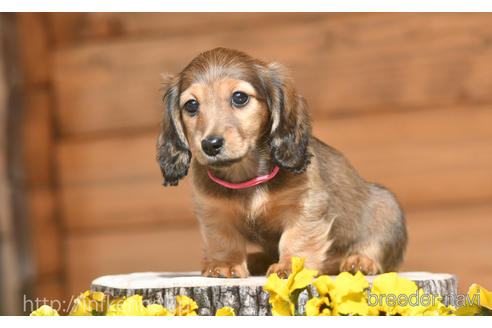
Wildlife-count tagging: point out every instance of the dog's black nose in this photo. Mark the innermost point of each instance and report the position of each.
(212, 145)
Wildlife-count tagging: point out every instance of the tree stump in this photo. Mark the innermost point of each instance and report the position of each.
(246, 296)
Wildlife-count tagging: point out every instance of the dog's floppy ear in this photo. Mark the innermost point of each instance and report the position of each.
(173, 151)
(291, 125)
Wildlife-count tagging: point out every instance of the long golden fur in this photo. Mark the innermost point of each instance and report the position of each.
(317, 207)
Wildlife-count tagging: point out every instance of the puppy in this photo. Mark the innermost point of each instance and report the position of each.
(241, 129)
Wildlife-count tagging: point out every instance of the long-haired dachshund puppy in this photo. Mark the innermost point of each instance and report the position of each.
(258, 175)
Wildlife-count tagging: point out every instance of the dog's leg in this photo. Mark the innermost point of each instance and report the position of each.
(362, 263)
(382, 236)
(225, 251)
(308, 240)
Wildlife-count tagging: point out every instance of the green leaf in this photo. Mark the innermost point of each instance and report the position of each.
(484, 311)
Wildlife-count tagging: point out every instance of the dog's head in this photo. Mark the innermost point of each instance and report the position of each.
(225, 104)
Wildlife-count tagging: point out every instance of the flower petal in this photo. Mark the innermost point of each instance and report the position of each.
(280, 307)
(302, 279)
(278, 286)
(485, 297)
(44, 310)
(324, 284)
(158, 310)
(318, 306)
(225, 312)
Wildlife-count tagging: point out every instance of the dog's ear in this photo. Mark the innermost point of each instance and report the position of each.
(291, 125)
(173, 153)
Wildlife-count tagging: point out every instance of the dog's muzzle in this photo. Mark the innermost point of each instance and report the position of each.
(212, 145)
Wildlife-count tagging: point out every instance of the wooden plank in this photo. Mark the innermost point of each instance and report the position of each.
(372, 62)
(37, 134)
(126, 203)
(149, 249)
(106, 160)
(37, 151)
(426, 158)
(33, 47)
(15, 253)
(46, 232)
(52, 289)
(71, 28)
(454, 240)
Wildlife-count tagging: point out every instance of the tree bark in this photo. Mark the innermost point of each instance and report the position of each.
(246, 296)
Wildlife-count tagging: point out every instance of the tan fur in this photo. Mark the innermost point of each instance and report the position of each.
(317, 206)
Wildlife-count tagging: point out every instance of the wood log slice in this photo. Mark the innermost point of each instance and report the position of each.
(246, 296)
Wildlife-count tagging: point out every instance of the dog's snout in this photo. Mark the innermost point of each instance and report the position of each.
(212, 145)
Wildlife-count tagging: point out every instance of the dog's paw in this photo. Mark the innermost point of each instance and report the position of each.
(282, 269)
(225, 271)
(362, 263)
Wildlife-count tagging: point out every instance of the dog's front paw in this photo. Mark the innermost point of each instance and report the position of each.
(282, 269)
(362, 263)
(225, 270)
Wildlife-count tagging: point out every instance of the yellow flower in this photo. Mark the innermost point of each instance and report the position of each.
(393, 295)
(387, 288)
(185, 306)
(44, 310)
(158, 310)
(346, 283)
(281, 307)
(89, 303)
(283, 294)
(132, 306)
(324, 285)
(318, 306)
(279, 296)
(300, 276)
(225, 312)
(354, 304)
(439, 309)
(481, 300)
(485, 296)
(275, 285)
(348, 295)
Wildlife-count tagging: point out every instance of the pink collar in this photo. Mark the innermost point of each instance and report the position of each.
(246, 184)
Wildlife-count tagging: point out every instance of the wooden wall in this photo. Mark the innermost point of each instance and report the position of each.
(14, 237)
(406, 97)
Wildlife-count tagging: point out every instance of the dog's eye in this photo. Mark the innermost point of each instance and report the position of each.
(191, 107)
(239, 99)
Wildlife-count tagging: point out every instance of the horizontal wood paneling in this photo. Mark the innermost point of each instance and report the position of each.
(433, 158)
(441, 240)
(37, 134)
(149, 249)
(76, 28)
(374, 62)
(427, 158)
(34, 46)
(53, 289)
(107, 160)
(453, 240)
(126, 203)
(46, 232)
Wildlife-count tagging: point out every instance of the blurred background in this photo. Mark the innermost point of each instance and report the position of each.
(406, 97)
